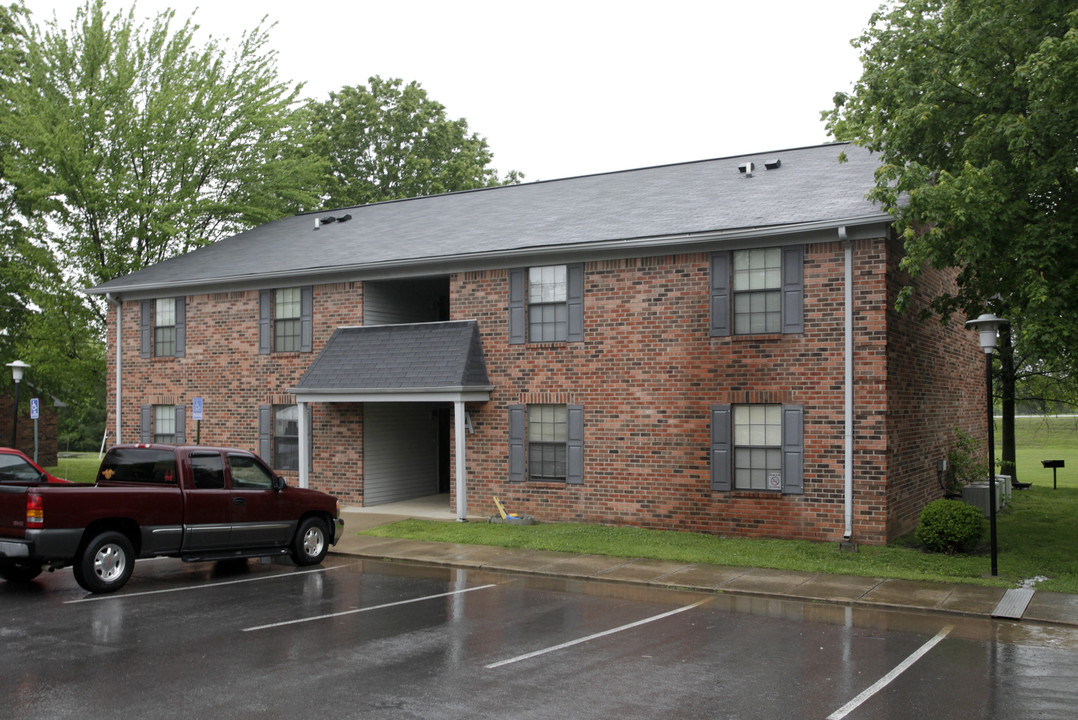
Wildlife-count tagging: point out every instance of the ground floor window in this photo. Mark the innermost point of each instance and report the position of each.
(164, 424)
(547, 426)
(286, 437)
(757, 447)
(546, 443)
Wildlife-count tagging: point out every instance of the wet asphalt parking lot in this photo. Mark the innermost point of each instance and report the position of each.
(367, 639)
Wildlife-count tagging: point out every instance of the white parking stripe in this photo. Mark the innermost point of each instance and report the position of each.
(886, 679)
(366, 609)
(203, 586)
(596, 635)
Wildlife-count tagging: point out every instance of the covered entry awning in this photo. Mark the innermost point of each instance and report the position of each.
(422, 362)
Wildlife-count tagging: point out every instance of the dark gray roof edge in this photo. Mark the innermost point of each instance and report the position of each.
(473, 261)
(441, 389)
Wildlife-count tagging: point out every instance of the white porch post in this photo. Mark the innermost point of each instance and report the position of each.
(462, 483)
(304, 446)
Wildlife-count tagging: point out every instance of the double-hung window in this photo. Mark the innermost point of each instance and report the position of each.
(285, 320)
(757, 447)
(163, 424)
(163, 327)
(757, 291)
(546, 304)
(286, 437)
(546, 443)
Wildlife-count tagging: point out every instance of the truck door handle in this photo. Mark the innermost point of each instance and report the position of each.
(238, 501)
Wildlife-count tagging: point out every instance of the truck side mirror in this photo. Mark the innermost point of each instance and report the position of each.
(279, 483)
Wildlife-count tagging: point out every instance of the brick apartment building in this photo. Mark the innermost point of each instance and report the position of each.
(707, 346)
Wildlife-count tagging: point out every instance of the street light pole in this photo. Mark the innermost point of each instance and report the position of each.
(988, 325)
(17, 369)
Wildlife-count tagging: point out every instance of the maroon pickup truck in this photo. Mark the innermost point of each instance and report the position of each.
(191, 502)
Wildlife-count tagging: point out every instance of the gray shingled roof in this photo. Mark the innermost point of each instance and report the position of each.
(811, 188)
(387, 358)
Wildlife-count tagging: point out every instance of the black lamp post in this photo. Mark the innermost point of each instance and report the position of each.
(988, 325)
(17, 369)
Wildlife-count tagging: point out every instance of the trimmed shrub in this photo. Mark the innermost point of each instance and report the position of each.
(949, 526)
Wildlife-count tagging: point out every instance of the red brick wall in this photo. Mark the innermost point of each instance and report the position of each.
(937, 384)
(222, 365)
(647, 375)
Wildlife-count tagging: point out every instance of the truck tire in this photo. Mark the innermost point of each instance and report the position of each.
(310, 545)
(105, 564)
(17, 572)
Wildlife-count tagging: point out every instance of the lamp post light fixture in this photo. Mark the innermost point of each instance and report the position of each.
(989, 325)
(17, 369)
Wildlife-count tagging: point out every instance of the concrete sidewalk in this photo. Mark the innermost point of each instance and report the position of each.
(967, 600)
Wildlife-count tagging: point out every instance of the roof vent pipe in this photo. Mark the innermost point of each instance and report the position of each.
(746, 169)
(317, 223)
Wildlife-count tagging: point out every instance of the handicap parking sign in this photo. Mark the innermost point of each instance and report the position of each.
(35, 408)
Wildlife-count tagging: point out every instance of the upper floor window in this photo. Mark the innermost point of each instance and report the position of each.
(163, 327)
(546, 304)
(757, 291)
(285, 320)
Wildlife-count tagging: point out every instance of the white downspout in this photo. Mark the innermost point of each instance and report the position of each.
(119, 359)
(848, 464)
(462, 481)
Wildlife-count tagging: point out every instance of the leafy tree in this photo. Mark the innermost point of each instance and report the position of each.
(391, 141)
(121, 145)
(973, 108)
(138, 146)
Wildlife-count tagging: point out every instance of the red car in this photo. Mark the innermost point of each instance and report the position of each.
(15, 467)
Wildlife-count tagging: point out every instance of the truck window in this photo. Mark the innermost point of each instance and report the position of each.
(14, 469)
(138, 465)
(208, 470)
(248, 473)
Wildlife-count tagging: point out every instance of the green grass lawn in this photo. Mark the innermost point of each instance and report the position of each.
(1036, 534)
(77, 467)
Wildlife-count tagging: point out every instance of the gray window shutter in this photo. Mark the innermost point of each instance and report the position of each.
(574, 472)
(720, 294)
(181, 424)
(518, 321)
(793, 289)
(181, 326)
(146, 329)
(265, 433)
(720, 448)
(306, 318)
(575, 301)
(145, 426)
(517, 446)
(265, 322)
(793, 449)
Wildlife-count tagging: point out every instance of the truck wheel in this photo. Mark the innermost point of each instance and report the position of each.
(19, 573)
(310, 546)
(105, 563)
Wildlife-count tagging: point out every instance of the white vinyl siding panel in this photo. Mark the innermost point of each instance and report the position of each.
(400, 452)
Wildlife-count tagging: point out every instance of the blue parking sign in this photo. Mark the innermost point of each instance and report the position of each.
(196, 408)
(35, 408)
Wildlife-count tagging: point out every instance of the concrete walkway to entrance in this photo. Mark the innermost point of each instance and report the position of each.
(969, 600)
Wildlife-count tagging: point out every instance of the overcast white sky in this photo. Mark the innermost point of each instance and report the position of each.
(562, 88)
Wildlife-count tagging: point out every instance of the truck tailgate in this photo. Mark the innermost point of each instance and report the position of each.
(12, 510)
